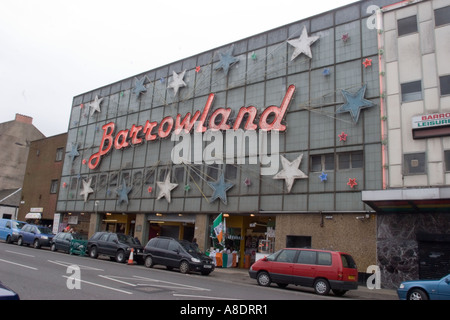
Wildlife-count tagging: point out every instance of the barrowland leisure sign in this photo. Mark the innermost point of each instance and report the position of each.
(204, 129)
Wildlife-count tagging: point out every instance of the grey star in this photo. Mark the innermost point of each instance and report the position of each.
(123, 192)
(177, 82)
(290, 171)
(165, 187)
(139, 87)
(226, 60)
(95, 105)
(86, 189)
(303, 44)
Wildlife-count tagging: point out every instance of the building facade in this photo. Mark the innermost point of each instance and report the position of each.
(42, 180)
(280, 132)
(413, 212)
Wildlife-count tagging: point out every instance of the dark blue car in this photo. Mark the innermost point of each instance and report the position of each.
(36, 235)
(7, 294)
(425, 289)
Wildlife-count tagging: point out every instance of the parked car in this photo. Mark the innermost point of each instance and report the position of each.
(115, 245)
(38, 236)
(320, 269)
(9, 230)
(425, 289)
(7, 294)
(63, 241)
(179, 254)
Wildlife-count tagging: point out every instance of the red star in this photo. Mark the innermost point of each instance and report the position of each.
(367, 62)
(197, 69)
(352, 182)
(84, 161)
(343, 136)
(150, 189)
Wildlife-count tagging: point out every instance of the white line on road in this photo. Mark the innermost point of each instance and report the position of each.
(22, 254)
(66, 264)
(117, 280)
(170, 285)
(18, 264)
(102, 286)
(201, 297)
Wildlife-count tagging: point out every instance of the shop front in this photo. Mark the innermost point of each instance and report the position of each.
(174, 225)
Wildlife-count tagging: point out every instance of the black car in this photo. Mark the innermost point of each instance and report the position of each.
(7, 294)
(63, 240)
(179, 254)
(115, 245)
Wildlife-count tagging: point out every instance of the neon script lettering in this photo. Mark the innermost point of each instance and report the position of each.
(219, 120)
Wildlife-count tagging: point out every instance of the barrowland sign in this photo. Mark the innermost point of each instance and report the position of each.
(207, 127)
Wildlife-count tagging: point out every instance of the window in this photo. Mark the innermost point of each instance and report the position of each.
(324, 258)
(59, 154)
(414, 163)
(442, 16)
(323, 162)
(351, 160)
(407, 25)
(286, 256)
(54, 186)
(447, 160)
(307, 257)
(445, 85)
(411, 91)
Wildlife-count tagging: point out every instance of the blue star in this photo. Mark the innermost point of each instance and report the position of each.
(123, 192)
(220, 188)
(74, 152)
(226, 60)
(139, 87)
(323, 177)
(355, 102)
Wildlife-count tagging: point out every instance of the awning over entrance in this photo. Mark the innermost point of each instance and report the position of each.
(408, 200)
(171, 217)
(33, 215)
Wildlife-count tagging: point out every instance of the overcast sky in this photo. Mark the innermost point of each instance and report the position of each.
(53, 50)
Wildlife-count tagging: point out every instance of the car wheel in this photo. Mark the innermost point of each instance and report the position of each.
(36, 244)
(120, 256)
(148, 262)
(263, 279)
(93, 252)
(8, 240)
(53, 247)
(20, 241)
(417, 294)
(184, 267)
(339, 293)
(322, 287)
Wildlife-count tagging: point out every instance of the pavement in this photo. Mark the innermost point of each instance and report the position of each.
(363, 293)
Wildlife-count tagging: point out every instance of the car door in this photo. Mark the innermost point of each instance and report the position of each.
(173, 254)
(111, 245)
(102, 243)
(65, 241)
(304, 270)
(161, 252)
(281, 267)
(444, 288)
(28, 234)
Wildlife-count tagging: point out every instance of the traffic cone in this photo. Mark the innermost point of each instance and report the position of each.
(130, 259)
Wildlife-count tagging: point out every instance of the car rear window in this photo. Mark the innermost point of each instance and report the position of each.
(324, 258)
(347, 261)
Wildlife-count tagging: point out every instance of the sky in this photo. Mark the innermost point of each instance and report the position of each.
(53, 50)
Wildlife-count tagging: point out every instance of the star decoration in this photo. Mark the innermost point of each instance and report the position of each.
(197, 69)
(367, 63)
(220, 188)
(150, 189)
(247, 182)
(86, 189)
(139, 87)
(303, 44)
(95, 106)
(342, 136)
(355, 102)
(74, 152)
(290, 171)
(165, 187)
(187, 187)
(226, 60)
(323, 177)
(326, 72)
(123, 192)
(177, 82)
(352, 182)
(345, 37)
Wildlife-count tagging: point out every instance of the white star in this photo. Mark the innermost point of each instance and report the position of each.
(165, 188)
(303, 44)
(290, 171)
(177, 82)
(95, 106)
(86, 189)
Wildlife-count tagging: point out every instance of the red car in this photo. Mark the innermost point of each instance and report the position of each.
(320, 269)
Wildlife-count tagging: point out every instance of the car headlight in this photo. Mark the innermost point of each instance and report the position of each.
(402, 286)
(44, 237)
(195, 260)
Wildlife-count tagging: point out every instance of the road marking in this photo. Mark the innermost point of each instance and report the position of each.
(66, 264)
(18, 264)
(119, 281)
(169, 285)
(101, 286)
(202, 297)
(22, 254)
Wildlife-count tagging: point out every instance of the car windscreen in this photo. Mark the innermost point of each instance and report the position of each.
(18, 224)
(189, 247)
(45, 230)
(126, 239)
